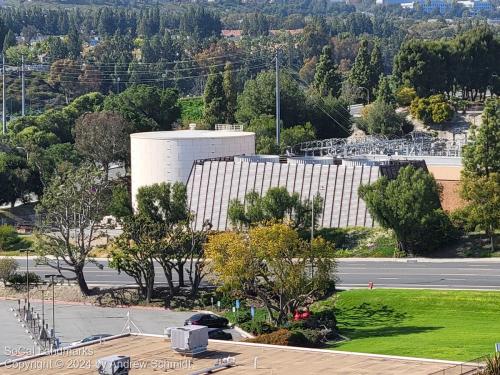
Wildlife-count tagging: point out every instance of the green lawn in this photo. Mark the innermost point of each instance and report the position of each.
(453, 325)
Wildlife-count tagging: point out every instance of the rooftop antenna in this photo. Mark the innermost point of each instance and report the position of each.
(129, 324)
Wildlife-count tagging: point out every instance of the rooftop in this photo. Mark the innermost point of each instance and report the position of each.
(191, 134)
(152, 353)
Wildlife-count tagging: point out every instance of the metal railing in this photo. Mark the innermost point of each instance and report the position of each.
(229, 127)
(413, 144)
(471, 367)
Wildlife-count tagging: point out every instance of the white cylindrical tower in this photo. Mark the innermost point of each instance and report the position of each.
(167, 156)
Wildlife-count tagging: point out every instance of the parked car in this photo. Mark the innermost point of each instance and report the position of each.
(219, 334)
(209, 320)
(91, 338)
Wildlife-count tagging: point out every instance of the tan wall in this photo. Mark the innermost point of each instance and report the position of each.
(441, 172)
(450, 197)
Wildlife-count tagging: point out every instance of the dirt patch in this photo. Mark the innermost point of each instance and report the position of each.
(72, 294)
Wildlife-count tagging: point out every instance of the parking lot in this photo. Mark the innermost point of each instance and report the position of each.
(75, 322)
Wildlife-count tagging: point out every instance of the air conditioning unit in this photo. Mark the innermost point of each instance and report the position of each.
(113, 365)
(191, 339)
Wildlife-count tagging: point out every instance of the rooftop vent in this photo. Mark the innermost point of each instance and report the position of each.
(189, 339)
(113, 365)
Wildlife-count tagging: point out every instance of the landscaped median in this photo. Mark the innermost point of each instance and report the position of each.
(452, 325)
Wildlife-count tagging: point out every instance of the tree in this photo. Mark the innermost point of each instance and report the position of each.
(258, 98)
(480, 180)
(482, 194)
(329, 116)
(214, 99)
(376, 67)
(409, 205)
(481, 155)
(15, 178)
(273, 265)
(74, 43)
(160, 230)
(276, 205)
(102, 137)
(145, 107)
(296, 134)
(361, 73)
(405, 95)
(8, 267)
(327, 80)
(230, 92)
(384, 91)
(90, 78)
(380, 118)
(432, 110)
(71, 209)
(64, 74)
(132, 252)
(9, 40)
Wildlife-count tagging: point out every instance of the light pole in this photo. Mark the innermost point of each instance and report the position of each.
(320, 188)
(52, 276)
(27, 251)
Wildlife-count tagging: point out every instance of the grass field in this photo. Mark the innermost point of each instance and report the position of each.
(453, 325)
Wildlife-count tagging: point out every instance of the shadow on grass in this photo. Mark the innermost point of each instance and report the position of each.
(375, 320)
(385, 331)
(367, 314)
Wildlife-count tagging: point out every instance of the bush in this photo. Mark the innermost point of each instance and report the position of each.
(20, 278)
(405, 95)
(381, 118)
(432, 110)
(312, 338)
(492, 365)
(8, 237)
(8, 267)
(281, 337)
(256, 327)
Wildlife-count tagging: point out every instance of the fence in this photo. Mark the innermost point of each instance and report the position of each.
(471, 367)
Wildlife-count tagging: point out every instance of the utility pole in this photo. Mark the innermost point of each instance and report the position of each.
(277, 98)
(4, 123)
(22, 87)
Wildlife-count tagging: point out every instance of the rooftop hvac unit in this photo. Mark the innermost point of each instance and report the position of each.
(113, 365)
(191, 339)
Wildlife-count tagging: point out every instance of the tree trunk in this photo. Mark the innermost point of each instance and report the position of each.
(180, 271)
(82, 283)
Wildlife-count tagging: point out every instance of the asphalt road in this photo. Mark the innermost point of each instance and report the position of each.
(436, 274)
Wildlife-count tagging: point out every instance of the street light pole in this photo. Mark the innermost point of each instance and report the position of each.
(52, 276)
(27, 276)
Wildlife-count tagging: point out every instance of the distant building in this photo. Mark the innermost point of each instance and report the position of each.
(476, 6)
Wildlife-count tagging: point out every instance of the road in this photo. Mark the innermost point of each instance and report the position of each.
(444, 274)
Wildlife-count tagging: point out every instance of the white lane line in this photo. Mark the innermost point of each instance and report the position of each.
(388, 278)
(424, 286)
(456, 279)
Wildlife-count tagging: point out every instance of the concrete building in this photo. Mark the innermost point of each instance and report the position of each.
(168, 156)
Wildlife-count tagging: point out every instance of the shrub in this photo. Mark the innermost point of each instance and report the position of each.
(381, 118)
(313, 338)
(492, 365)
(405, 95)
(8, 267)
(8, 237)
(282, 337)
(20, 278)
(432, 110)
(257, 327)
